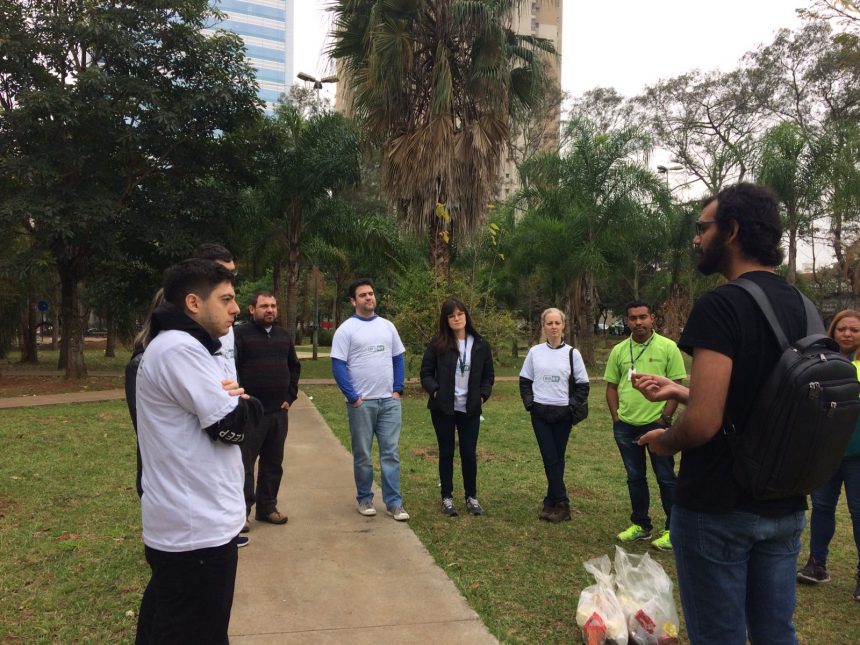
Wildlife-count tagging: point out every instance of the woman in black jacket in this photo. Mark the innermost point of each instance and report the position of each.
(457, 373)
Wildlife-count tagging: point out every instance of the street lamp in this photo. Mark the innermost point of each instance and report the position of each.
(318, 83)
(665, 170)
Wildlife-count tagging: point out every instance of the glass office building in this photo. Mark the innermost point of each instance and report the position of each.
(266, 26)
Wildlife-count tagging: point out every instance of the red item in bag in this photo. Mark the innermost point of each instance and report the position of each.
(645, 620)
(594, 630)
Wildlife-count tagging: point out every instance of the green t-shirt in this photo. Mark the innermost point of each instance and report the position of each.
(658, 355)
(853, 449)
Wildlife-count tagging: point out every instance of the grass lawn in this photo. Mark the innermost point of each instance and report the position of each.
(524, 576)
(71, 558)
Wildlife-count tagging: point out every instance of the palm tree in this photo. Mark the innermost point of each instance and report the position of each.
(788, 166)
(587, 206)
(303, 162)
(437, 82)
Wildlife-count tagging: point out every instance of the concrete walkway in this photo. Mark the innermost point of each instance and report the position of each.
(331, 575)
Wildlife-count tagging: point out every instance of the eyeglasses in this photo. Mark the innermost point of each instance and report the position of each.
(702, 225)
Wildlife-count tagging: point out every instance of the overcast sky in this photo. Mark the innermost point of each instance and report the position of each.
(625, 44)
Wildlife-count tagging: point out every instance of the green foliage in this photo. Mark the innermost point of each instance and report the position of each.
(112, 133)
(415, 300)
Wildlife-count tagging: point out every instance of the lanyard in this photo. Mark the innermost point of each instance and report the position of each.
(461, 358)
(641, 351)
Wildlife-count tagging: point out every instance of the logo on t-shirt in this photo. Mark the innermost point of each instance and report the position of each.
(551, 378)
(375, 348)
(229, 354)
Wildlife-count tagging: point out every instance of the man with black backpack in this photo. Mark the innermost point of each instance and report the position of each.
(736, 553)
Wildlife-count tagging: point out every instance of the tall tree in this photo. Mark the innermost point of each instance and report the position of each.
(111, 117)
(708, 121)
(585, 205)
(788, 166)
(437, 83)
(303, 162)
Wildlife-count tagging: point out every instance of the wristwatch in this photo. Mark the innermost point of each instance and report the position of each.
(667, 420)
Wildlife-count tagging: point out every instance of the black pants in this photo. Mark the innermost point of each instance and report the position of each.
(189, 596)
(467, 427)
(552, 440)
(266, 441)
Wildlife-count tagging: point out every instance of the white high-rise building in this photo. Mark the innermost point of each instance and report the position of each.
(266, 26)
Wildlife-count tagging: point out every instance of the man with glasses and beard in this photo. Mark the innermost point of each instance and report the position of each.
(736, 556)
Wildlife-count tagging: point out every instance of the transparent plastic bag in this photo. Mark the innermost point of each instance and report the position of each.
(645, 595)
(598, 613)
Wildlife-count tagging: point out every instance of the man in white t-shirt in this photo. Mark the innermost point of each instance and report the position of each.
(367, 363)
(190, 424)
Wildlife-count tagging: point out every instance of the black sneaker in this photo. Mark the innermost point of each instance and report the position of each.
(473, 506)
(448, 507)
(813, 573)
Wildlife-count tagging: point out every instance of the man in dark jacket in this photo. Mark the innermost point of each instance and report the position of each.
(269, 370)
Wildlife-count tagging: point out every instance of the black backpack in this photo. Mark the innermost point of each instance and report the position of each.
(803, 416)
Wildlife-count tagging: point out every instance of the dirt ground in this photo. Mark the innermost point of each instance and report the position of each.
(24, 385)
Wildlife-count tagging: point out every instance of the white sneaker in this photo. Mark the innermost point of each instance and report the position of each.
(366, 508)
(398, 513)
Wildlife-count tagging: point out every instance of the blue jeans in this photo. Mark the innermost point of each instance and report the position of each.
(633, 457)
(822, 521)
(380, 417)
(736, 575)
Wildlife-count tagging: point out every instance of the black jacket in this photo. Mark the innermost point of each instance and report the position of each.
(267, 365)
(437, 377)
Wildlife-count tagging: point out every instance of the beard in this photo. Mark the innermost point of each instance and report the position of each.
(712, 259)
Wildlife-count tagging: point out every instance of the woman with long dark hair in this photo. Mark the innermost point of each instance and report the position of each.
(457, 373)
(845, 330)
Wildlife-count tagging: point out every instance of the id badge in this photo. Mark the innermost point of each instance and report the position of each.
(630, 373)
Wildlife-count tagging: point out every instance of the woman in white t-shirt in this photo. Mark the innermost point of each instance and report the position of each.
(554, 389)
(457, 373)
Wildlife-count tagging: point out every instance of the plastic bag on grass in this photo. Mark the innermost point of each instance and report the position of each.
(598, 613)
(645, 595)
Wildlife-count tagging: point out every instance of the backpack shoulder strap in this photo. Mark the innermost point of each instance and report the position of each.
(757, 294)
(814, 324)
(572, 380)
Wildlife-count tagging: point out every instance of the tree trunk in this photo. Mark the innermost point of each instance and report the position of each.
(72, 334)
(439, 255)
(110, 341)
(29, 338)
(292, 285)
(587, 347)
(55, 321)
(315, 272)
(791, 275)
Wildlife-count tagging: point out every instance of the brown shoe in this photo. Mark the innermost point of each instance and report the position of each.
(560, 513)
(546, 512)
(273, 518)
(246, 528)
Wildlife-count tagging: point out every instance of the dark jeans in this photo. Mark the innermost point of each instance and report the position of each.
(635, 464)
(823, 519)
(552, 441)
(267, 443)
(468, 429)
(189, 596)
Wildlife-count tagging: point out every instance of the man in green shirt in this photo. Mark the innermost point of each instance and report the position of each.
(633, 415)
